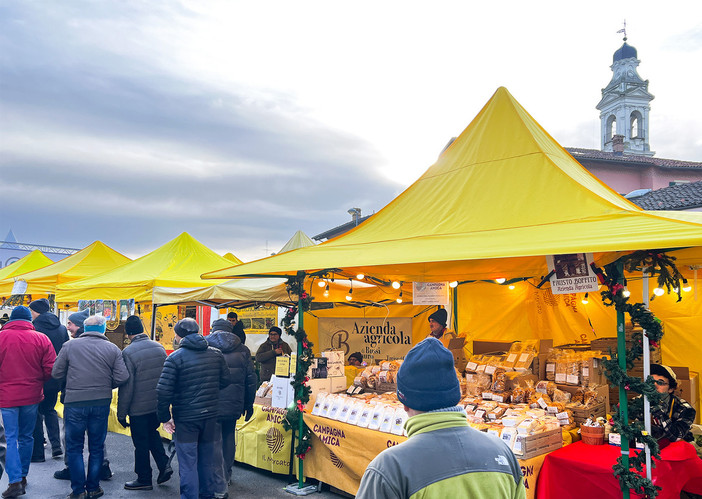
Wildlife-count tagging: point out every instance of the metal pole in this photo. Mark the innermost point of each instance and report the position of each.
(621, 356)
(455, 310)
(153, 321)
(646, 372)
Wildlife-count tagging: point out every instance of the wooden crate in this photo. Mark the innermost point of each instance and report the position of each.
(581, 414)
(541, 443)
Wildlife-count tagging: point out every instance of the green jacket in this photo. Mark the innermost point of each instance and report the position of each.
(443, 457)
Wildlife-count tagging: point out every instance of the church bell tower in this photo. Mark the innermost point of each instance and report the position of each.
(625, 106)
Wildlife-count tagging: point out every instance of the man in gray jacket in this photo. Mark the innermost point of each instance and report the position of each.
(91, 367)
(144, 359)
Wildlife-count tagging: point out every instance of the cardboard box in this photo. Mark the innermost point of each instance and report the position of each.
(318, 368)
(335, 362)
(487, 346)
(337, 384)
(320, 385)
(594, 368)
(264, 401)
(459, 357)
(688, 384)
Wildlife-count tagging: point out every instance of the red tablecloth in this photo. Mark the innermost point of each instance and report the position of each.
(585, 471)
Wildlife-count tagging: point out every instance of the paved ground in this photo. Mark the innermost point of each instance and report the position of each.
(248, 482)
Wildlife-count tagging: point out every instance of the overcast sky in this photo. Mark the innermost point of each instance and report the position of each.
(242, 122)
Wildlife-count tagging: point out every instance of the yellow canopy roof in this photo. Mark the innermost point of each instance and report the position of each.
(33, 261)
(502, 196)
(178, 263)
(298, 240)
(232, 258)
(244, 292)
(89, 261)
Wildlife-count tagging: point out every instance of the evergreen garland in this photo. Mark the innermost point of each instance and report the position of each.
(294, 412)
(656, 264)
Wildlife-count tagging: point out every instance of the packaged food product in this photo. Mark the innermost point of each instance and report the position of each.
(473, 363)
(561, 396)
(551, 359)
(518, 395)
(499, 384)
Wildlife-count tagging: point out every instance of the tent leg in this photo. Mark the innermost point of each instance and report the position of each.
(623, 402)
(153, 321)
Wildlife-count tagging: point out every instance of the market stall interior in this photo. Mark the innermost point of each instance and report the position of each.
(502, 198)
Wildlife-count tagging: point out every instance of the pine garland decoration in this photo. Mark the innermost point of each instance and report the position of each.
(656, 263)
(294, 412)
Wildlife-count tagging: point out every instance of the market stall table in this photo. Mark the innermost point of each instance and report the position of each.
(585, 471)
(341, 453)
(262, 441)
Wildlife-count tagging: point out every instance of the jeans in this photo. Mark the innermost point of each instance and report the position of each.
(47, 415)
(146, 438)
(77, 420)
(19, 427)
(200, 466)
(228, 445)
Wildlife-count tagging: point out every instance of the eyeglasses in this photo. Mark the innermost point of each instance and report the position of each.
(660, 382)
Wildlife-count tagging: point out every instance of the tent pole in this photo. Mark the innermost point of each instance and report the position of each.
(621, 356)
(646, 372)
(455, 310)
(153, 321)
(300, 321)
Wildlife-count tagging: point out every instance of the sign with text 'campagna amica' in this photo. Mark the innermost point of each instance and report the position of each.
(376, 338)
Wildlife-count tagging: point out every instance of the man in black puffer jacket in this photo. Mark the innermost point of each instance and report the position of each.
(144, 359)
(237, 398)
(46, 322)
(190, 383)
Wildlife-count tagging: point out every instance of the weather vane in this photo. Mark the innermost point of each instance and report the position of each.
(623, 30)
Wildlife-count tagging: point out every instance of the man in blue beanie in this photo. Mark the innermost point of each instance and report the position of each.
(443, 456)
(91, 367)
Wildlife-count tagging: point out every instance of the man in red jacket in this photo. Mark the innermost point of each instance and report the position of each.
(26, 359)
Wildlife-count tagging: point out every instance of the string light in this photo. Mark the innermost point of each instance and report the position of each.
(453, 284)
(396, 284)
(686, 287)
(326, 291)
(585, 300)
(399, 298)
(512, 286)
(658, 291)
(321, 283)
(350, 293)
(626, 293)
(500, 280)
(360, 276)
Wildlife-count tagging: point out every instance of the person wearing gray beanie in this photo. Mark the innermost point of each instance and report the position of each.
(442, 454)
(75, 322)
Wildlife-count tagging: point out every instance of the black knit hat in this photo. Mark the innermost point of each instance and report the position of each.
(222, 325)
(40, 306)
(186, 326)
(356, 355)
(133, 326)
(440, 316)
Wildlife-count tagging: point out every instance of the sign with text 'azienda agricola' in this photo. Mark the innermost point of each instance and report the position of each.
(376, 338)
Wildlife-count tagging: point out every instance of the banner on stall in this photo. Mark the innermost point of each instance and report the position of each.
(263, 442)
(430, 293)
(258, 319)
(341, 452)
(376, 338)
(571, 273)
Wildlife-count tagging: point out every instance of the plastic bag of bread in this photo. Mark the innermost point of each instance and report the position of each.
(573, 370)
(514, 351)
(541, 386)
(385, 365)
(493, 363)
(590, 396)
(518, 395)
(372, 381)
(499, 384)
(473, 363)
(578, 397)
(525, 359)
(529, 390)
(561, 396)
(551, 360)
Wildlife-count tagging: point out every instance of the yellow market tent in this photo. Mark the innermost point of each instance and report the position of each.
(33, 261)
(232, 258)
(93, 259)
(298, 240)
(502, 196)
(177, 264)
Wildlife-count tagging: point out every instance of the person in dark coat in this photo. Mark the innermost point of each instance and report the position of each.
(46, 322)
(188, 389)
(237, 398)
(144, 359)
(270, 349)
(237, 326)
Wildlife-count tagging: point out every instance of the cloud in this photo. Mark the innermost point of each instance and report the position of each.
(97, 144)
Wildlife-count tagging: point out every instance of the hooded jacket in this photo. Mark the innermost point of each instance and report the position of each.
(91, 367)
(190, 382)
(26, 358)
(144, 359)
(239, 331)
(50, 325)
(239, 395)
(266, 355)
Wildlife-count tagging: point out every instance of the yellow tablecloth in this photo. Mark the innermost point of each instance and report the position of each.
(341, 453)
(263, 442)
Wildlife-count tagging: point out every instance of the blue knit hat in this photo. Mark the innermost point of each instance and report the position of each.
(78, 318)
(427, 378)
(21, 313)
